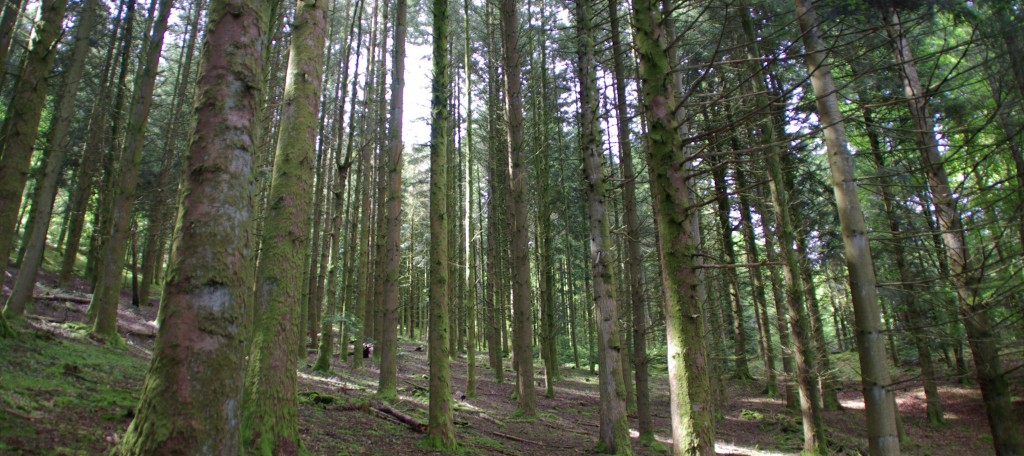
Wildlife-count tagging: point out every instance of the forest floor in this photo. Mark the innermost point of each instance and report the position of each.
(62, 393)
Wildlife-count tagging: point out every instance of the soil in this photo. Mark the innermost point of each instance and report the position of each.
(338, 413)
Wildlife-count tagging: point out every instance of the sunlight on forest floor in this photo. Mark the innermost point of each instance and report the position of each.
(730, 449)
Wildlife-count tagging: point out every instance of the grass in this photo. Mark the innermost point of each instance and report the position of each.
(49, 383)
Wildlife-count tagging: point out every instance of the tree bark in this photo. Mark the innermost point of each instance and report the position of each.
(192, 395)
(270, 410)
(689, 385)
(440, 427)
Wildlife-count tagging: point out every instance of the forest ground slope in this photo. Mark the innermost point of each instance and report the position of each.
(63, 393)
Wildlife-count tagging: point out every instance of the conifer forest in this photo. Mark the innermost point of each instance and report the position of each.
(515, 227)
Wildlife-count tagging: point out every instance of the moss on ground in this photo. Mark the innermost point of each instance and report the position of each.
(49, 384)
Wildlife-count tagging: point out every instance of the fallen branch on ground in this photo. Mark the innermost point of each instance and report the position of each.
(63, 298)
(401, 417)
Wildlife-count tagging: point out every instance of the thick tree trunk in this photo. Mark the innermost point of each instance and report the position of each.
(689, 385)
(21, 126)
(975, 311)
(270, 410)
(192, 395)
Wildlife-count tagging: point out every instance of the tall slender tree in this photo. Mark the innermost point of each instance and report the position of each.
(975, 310)
(388, 382)
(875, 380)
(108, 284)
(21, 125)
(440, 425)
(270, 411)
(613, 431)
(42, 205)
(522, 317)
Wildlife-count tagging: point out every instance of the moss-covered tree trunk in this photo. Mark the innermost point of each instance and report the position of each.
(614, 430)
(495, 268)
(21, 126)
(471, 238)
(634, 266)
(111, 261)
(522, 318)
(689, 385)
(191, 400)
(440, 425)
(270, 413)
(388, 380)
(875, 380)
(967, 280)
(56, 145)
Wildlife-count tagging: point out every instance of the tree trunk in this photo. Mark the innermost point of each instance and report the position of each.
(883, 437)
(108, 286)
(689, 385)
(967, 281)
(21, 126)
(614, 430)
(192, 394)
(634, 266)
(522, 333)
(440, 427)
(388, 381)
(56, 145)
(270, 410)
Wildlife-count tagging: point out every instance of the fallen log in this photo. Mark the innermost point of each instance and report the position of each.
(63, 298)
(413, 424)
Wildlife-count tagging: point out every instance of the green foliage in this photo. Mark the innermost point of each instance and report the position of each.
(751, 415)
